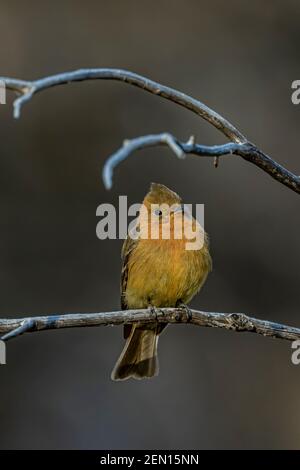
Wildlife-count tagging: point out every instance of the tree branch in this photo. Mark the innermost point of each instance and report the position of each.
(28, 88)
(245, 149)
(230, 321)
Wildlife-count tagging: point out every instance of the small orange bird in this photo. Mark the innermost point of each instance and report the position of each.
(158, 271)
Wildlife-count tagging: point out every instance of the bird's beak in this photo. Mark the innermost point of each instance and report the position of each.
(179, 208)
(184, 210)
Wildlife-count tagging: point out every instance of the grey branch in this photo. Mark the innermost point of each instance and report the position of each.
(229, 321)
(244, 149)
(28, 88)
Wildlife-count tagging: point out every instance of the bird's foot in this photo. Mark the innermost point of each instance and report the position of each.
(187, 310)
(153, 311)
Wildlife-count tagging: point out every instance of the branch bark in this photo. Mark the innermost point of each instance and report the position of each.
(244, 149)
(230, 321)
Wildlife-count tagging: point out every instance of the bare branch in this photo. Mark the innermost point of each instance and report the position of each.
(130, 146)
(246, 149)
(230, 321)
(154, 140)
(29, 88)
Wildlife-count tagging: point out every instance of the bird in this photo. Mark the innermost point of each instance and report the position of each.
(157, 272)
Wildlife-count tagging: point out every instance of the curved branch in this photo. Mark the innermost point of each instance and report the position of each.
(229, 321)
(246, 149)
(29, 88)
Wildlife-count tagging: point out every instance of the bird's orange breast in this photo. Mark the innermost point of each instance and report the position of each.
(162, 273)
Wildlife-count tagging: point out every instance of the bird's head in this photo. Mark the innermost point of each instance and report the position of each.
(162, 214)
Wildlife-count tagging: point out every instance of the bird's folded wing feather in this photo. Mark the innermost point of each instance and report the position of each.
(129, 246)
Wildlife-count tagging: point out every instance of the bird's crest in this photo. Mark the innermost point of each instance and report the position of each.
(160, 194)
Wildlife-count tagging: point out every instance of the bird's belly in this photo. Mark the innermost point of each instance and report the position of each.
(165, 275)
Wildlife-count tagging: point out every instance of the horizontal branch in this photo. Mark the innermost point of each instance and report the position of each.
(230, 321)
(248, 151)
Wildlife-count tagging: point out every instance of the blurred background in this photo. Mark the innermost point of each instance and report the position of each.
(216, 389)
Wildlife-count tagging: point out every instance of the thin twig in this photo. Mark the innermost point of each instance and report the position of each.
(247, 150)
(230, 321)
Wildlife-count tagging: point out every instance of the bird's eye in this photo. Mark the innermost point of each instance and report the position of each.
(158, 212)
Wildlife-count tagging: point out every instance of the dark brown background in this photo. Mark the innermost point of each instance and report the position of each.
(216, 389)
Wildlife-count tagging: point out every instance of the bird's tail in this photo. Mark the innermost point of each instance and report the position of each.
(139, 356)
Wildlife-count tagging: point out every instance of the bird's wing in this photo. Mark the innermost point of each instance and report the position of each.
(127, 249)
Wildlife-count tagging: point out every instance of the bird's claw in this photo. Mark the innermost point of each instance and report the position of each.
(187, 310)
(153, 311)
